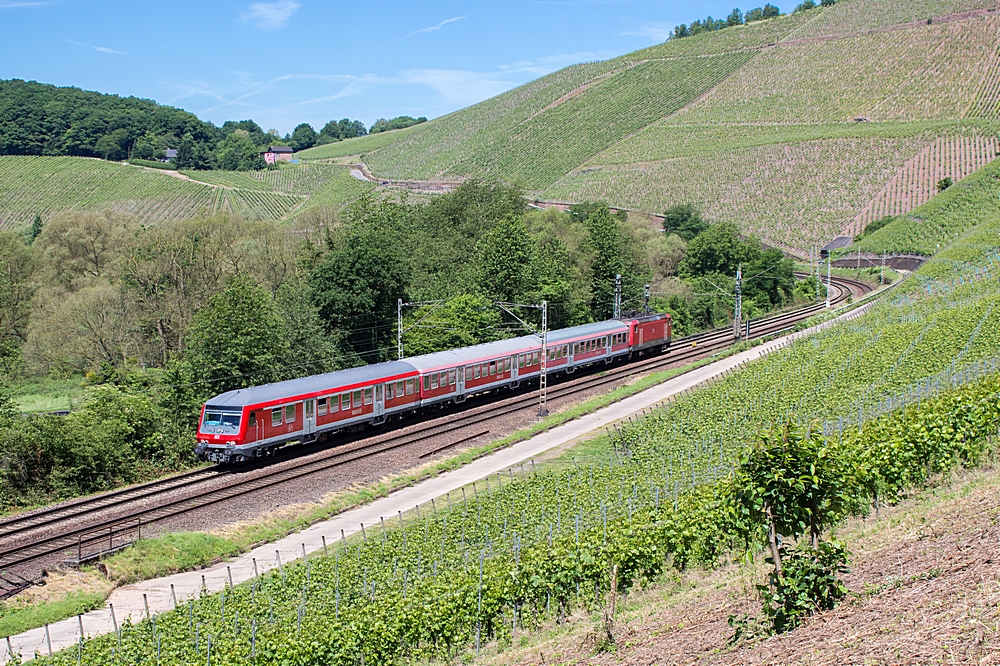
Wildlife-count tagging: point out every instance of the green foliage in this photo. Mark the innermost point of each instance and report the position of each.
(303, 136)
(503, 261)
(150, 164)
(16, 619)
(462, 321)
(719, 250)
(944, 184)
(238, 338)
(683, 220)
(339, 130)
(238, 153)
(613, 254)
(809, 584)
(400, 122)
(357, 284)
(167, 554)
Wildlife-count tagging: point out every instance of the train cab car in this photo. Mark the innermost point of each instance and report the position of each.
(253, 422)
(649, 332)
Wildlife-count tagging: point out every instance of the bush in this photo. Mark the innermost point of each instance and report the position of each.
(808, 584)
(153, 164)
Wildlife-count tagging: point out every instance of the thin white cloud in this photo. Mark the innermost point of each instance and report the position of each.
(548, 64)
(658, 32)
(456, 86)
(21, 4)
(271, 15)
(101, 49)
(430, 28)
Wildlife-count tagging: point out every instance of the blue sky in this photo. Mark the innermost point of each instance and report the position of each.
(291, 61)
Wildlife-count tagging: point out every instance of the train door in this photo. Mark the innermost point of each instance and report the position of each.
(379, 409)
(461, 380)
(260, 426)
(309, 418)
(640, 335)
(514, 370)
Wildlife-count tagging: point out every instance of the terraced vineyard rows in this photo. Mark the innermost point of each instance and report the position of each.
(916, 182)
(904, 75)
(943, 218)
(358, 146)
(520, 548)
(792, 195)
(551, 143)
(854, 16)
(300, 180)
(455, 144)
(987, 104)
(44, 185)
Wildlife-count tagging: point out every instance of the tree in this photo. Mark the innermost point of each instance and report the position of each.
(238, 153)
(502, 269)
(338, 130)
(827, 3)
(36, 228)
(735, 17)
(462, 321)
(303, 136)
(613, 254)
(681, 31)
(718, 250)
(17, 288)
(756, 14)
(944, 184)
(683, 220)
(770, 11)
(357, 285)
(400, 122)
(237, 339)
(805, 6)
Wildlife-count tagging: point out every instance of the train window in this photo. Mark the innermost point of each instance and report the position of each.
(564, 350)
(253, 419)
(576, 349)
(276, 417)
(536, 358)
(443, 379)
(400, 389)
(493, 368)
(389, 388)
(476, 371)
(452, 376)
(506, 365)
(433, 380)
(321, 407)
(520, 360)
(334, 403)
(289, 413)
(368, 395)
(427, 382)
(345, 402)
(356, 398)
(411, 386)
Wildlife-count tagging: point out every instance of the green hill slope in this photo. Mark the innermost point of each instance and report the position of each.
(44, 186)
(798, 128)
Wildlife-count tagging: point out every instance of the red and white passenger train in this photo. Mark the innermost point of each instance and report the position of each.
(252, 422)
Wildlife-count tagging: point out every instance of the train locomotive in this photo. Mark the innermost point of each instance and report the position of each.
(254, 422)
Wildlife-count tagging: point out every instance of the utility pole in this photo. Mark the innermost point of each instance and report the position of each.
(881, 275)
(815, 258)
(645, 306)
(618, 296)
(738, 314)
(829, 263)
(543, 378)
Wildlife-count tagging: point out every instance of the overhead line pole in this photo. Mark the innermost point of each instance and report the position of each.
(738, 313)
(618, 296)
(543, 377)
(399, 320)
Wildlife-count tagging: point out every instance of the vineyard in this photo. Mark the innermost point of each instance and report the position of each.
(32, 186)
(943, 218)
(358, 146)
(44, 186)
(516, 550)
(916, 182)
(922, 73)
(791, 195)
(859, 16)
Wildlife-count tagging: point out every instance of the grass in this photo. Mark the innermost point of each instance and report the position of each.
(351, 147)
(167, 554)
(16, 618)
(48, 394)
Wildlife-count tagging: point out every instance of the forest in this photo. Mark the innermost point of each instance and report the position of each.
(156, 318)
(42, 119)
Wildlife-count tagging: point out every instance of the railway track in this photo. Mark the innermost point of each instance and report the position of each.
(78, 525)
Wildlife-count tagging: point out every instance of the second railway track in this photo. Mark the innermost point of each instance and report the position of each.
(86, 522)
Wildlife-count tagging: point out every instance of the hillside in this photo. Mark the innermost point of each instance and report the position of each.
(44, 186)
(799, 128)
